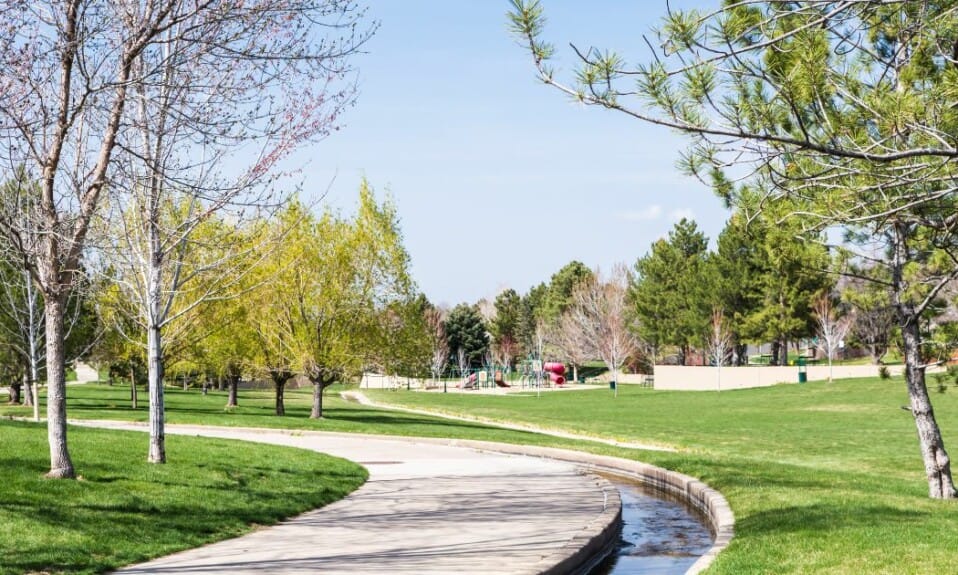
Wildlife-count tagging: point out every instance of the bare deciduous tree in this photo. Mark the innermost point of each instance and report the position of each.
(599, 312)
(718, 342)
(572, 342)
(832, 329)
(244, 81)
(504, 351)
(435, 321)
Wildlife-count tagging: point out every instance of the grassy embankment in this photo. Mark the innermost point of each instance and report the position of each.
(823, 478)
(125, 510)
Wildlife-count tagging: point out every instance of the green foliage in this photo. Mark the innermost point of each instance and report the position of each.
(558, 296)
(768, 272)
(334, 296)
(403, 346)
(505, 327)
(873, 311)
(530, 314)
(669, 293)
(466, 330)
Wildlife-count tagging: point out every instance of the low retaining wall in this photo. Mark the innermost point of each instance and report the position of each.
(707, 501)
(697, 378)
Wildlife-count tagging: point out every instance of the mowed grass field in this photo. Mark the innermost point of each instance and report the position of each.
(823, 478)
(123, 510)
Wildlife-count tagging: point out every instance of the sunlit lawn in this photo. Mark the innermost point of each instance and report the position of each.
(124, 510)
(823, 478)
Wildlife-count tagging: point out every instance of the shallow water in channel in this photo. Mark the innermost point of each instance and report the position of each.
(660, 536)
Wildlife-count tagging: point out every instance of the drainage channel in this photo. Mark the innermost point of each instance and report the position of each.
(660, 535)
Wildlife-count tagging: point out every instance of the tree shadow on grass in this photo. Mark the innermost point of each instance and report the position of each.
(822, 518)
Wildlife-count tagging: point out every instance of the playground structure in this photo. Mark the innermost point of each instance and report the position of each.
(480, 378)
(530, 373)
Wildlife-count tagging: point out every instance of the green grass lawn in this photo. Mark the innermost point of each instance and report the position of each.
(823, 478)
(125, 510)
(256, 409)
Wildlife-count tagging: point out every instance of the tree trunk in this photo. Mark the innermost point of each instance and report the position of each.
(157, 409)
(28, 396)
(232, 399)
(575, 373)
(33, 388)
(186, 383)
(61, 466)
(220, 386)
(133, 398)
(776, 352)
(317, 411)
(15, 393)
(280, 405)
(937, 463)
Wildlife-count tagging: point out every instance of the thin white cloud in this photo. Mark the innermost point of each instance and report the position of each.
(676, 215)
(647, 214)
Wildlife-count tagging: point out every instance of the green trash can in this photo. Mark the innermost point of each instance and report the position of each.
(802, 370)
(612, 385)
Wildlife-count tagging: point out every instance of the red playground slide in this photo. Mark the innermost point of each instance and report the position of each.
(556, 372)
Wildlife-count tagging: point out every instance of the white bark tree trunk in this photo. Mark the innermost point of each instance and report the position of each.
(61, 466)
(157, 413)
(154, 341)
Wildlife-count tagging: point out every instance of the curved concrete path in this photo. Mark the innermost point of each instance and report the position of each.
(426, 508)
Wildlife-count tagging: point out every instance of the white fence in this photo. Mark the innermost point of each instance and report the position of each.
(379, 381)
(695, 378)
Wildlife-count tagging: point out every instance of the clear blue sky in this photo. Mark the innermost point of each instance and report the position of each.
(500, 180)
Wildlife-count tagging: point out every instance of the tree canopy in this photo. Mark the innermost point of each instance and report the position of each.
(843, 112)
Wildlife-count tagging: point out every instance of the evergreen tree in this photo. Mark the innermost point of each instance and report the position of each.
(505, 327)
(559, 295)
(842, 111)
(530, 314)
(668, 293)
(465, 330)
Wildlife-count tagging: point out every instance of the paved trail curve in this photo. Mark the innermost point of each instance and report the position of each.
(426, 508)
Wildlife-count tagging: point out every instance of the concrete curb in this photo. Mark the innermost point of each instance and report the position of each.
(707, 501)
(587, 549)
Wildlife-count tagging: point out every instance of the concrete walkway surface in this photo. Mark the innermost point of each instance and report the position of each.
(426, 508)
